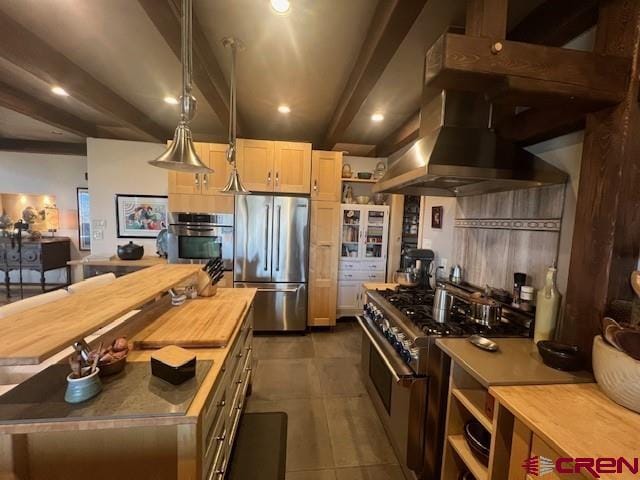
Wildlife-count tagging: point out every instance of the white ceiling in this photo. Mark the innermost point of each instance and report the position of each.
(302, 59)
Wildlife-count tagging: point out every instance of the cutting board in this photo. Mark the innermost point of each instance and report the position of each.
(201, 322)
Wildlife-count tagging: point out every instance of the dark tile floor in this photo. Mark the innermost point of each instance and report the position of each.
(334, 432)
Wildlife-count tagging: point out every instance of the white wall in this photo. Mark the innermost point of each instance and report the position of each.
(564, 153)
(57, 175)
(117, 166)
(439, 240)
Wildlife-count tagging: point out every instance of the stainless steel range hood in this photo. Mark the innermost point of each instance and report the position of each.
(458, 154)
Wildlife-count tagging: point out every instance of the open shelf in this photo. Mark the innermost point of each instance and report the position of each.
(477, 469)
(473, 400)
(359, 180)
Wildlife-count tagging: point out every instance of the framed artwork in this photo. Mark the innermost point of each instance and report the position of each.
(140, 216)
(84, 219)
(436, 217)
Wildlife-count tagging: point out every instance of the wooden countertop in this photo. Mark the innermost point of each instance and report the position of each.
(379, 286)
(32, 336)
(575, 420)
(217, 355)
(114, 261)
(517, 362)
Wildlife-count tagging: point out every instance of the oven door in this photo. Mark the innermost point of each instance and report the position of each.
(398, 394)
(199, 243)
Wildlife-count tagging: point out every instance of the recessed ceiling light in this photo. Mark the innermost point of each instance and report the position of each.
(377, 117)
(59, 91)
(171, 100)
(281, 6)
(284, 109)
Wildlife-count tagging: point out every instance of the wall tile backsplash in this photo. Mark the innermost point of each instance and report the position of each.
(498, 234)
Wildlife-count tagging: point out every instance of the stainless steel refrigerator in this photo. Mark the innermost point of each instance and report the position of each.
(272, 255)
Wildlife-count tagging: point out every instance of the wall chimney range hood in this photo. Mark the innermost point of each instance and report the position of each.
(458, 154)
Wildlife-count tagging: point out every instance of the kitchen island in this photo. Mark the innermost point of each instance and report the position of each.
(139, 426)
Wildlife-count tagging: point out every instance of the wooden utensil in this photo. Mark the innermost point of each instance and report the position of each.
(96, 358)
(609, 329)
(629, 341)
(635, 282)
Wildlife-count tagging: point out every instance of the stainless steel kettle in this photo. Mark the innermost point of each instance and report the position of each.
(456, 274)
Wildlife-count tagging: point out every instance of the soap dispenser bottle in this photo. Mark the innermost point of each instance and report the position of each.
(547, 308)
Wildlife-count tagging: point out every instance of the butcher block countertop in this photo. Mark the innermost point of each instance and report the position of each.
(211, 358)
(517, 362)
(32, 336)
(578, 421)
(114, 261)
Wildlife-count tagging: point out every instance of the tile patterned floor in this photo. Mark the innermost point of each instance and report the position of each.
(334, 432)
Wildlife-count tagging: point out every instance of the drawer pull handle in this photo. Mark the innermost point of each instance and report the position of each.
(222, 403)
(222, 437)
(240, 355)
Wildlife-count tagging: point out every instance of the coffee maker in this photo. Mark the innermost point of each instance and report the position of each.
(420, 261)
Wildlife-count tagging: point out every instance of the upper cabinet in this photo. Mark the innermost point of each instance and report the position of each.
(268, 166)
(256, 164)
(326, 174)
(292, 167)
(212, 155)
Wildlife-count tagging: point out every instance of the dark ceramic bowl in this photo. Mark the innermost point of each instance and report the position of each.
(112, 368)
(560, 355)
(479, 440)
(365, 175)
(130, 251)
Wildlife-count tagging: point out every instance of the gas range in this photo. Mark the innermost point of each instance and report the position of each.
(404, 317)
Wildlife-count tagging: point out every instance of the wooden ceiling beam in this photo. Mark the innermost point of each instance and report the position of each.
(525, 74)
(487, 18)
(25, 104)
(400, 137)
(207, 75)
(554, 23)
(29, 52)
(391, 23)
(536, 125)
(41, 146)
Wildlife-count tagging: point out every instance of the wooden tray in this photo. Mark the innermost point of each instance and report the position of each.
(201, 322)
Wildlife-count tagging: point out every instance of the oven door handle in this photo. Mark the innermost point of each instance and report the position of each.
(398, 377)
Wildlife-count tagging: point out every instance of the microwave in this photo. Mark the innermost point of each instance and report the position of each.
(198, 237)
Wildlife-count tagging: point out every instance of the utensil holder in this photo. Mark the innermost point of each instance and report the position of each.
(203, 285)
(83, 388)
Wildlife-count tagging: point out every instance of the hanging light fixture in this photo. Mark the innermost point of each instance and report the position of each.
(181, 155)
(234, 185)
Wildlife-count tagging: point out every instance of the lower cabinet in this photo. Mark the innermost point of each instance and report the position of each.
(351, 276)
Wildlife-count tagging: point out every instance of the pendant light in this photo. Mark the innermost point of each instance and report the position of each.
(181, 155)
(234, 185)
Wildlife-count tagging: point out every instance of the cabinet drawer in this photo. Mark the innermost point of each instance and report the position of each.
(215, 452)
(347, 265)
(215, 411)
(349, 276)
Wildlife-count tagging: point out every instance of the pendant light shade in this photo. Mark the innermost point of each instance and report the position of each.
(181, 154)
(234, 186)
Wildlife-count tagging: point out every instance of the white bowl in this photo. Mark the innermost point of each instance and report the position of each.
(617, 374)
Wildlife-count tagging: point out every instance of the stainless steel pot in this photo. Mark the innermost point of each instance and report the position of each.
(456, 274)
(485, 312)
(406, 279)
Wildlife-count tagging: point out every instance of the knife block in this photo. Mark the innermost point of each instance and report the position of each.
(203, 285)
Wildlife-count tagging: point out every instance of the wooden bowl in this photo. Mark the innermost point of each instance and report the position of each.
(112, 368)
(617, 374)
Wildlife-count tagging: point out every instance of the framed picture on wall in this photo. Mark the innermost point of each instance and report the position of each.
(140, 216)
(84, 219)
(436, 217)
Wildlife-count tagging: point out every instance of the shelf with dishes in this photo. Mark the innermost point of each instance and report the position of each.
(360, 180)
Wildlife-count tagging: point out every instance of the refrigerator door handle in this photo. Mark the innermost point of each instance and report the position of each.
(277, 239)
(266, 239)
(283, 290)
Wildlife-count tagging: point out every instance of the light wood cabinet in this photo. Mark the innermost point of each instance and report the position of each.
(188, 183)
(323, 263)
(255, 159)
(200, 203)
(292, 167)
(215, 157)
(268, 166)
(326, 175)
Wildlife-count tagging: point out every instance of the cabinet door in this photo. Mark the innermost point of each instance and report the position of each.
(292, 167)
(348, 295)
(351, 228)
(375, 232)
(190, 183)
(323, 263)
(215, 156)
(256, 164)
(179, 202)
(326, 175)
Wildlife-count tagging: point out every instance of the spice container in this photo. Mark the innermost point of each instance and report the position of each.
(527, 293)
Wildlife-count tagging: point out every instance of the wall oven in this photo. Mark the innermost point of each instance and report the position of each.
(197, 237)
